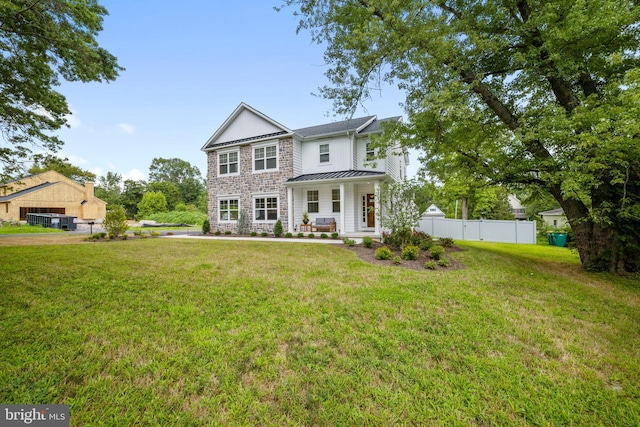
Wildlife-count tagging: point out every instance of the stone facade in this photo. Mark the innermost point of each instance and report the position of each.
(248, 184)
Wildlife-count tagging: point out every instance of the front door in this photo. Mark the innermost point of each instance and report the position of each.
(371, 213)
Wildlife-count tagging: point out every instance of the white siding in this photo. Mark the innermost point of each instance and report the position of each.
(247, 125)
(361, 163)
(339, 155)
(297, 157)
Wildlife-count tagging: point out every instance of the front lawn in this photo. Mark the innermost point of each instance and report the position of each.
(209, 332)
(27, 229)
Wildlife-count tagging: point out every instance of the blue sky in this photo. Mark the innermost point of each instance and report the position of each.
(188, 66)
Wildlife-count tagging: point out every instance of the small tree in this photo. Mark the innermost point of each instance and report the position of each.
(398, 212)
(206, 226)
(277, 229)
(152, 202)
(115, 221)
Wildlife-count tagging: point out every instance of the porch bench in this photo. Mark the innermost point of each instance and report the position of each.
(324, 224)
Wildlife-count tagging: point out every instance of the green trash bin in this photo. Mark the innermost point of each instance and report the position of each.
(552, 238)
(561, 239)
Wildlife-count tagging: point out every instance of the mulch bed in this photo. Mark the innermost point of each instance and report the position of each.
(369, 255)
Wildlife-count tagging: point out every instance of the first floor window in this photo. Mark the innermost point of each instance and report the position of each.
(229, 210)
(265, 209)
(313, 201)
(335, 198)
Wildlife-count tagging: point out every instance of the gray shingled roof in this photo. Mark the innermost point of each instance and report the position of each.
(335, 127)
(375, 126)
(335, 175)
(26, 191)
(239, 141)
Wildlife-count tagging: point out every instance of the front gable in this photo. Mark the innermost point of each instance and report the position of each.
(245, 124)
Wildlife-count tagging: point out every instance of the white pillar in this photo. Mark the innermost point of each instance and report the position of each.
(343, 224)
(376, 192)
(290, 209)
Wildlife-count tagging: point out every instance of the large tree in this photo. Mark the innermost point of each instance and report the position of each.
(42, 41)
(543, 94)
(185, 176)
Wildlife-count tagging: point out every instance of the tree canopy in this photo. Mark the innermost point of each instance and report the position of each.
(42, 41)
(523, 93)
(186, 177)
(62, 166)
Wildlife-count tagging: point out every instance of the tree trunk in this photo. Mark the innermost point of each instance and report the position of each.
(603, 246)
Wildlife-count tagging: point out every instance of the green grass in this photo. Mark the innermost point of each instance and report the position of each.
(27, 229)
(184, 332)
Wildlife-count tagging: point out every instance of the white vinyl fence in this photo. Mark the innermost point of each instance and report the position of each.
(486, 230)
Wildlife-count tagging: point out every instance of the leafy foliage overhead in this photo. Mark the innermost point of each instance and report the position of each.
(42, 41)
(538, 94)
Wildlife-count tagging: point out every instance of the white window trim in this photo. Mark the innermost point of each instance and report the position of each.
(264, 145)
(320, 154)
(335, 200)
(307, 201)
(221, 198)
(218, 153)
(265, 196)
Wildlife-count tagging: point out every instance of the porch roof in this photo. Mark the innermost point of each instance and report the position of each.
(340, 175)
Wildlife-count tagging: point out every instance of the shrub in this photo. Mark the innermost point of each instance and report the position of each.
(334, 235)
(254, 234)
(206, 226)
(420, 238)
(410, 252)
(349, 242)
(227, 232)
(264, 234)
(447, 242)
(436, 252)
(288, 235)
(430, 265)
(155, 233)
(324, 235)
(311, 236)
(444, 262)
(277, 229)
(397, 260)
(383, 253)
(115, 221)
(137, 233)
(367, 242)
(243, 222)
(179, 217)
(300, 235)
(218, 232)
(124, 236)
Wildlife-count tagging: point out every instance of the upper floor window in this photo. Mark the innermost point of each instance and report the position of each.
(371, 152)
(265, 158)
(324, 153)
(228, 163)
(313, 201)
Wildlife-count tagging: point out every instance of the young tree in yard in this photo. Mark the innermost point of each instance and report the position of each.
(115, 221)
(152, 202)
(40, 43)
(108, 188)
(397, 211)
(527, 94)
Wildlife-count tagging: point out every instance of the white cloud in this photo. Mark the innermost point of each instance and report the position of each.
(134, 175)
(126, 128)
(97, 171)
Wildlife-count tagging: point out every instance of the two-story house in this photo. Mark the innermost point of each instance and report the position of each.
(271, 172)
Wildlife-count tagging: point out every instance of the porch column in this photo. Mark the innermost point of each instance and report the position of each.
(290, 210)
(376, 191)
(343, 224)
